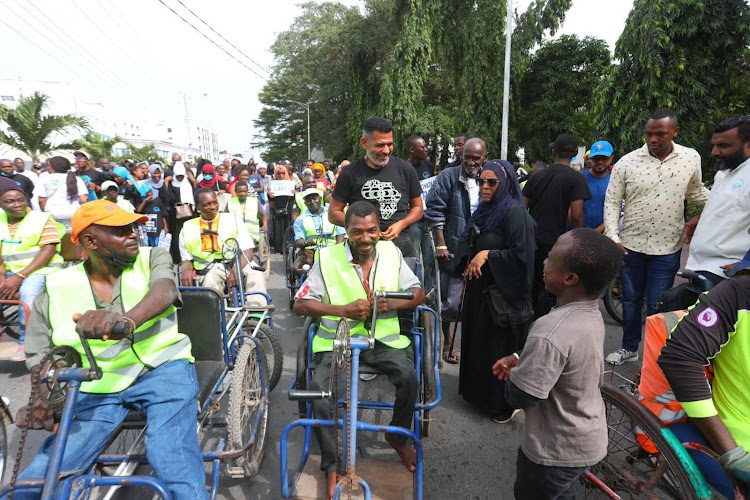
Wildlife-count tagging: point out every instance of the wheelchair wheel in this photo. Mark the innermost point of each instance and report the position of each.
(428, 372)
(301, 379)
(245, 396)
(273, 353)
(3, 446)
(9, 321)
(613, 301)
(628, 469)
(291, 277)
(264, 252)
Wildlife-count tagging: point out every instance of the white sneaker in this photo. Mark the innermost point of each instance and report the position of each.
(366, 377)
(620, 356)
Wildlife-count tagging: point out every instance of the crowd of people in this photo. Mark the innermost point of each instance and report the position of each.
(523, 259)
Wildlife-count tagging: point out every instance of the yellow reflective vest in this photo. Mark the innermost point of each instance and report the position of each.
(20, 250)
(191, 236)
(344, 286)
(308, 223)
(122, 361)
(249, 216)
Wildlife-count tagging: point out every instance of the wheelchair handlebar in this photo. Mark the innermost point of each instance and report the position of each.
(300, 395)
(122, 329)
(689, 275)
(396, 295)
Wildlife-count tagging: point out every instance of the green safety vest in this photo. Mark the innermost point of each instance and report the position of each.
(301, 201)
(122, 361)
(308, 222)
(249, 216)
(344, 286)
(19, 251)
(191, 236)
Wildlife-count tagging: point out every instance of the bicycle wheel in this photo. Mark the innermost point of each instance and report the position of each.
(245, 396)
(3, 446)
(613, 301)
(273, 353)
(628, 470)
(9, 321)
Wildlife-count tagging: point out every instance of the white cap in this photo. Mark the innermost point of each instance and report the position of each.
(108, 184)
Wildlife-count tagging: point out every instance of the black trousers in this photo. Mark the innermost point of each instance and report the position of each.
(396, 364)
(543, 482)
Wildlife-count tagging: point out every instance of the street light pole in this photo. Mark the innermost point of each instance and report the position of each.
(506, 83)
(307, 107)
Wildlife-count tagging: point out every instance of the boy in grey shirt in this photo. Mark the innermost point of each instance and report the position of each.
(557, 379)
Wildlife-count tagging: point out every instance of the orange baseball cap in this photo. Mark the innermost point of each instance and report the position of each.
(104, 213)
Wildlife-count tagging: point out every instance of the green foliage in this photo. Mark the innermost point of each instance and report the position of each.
(687, 55)
(142, 153)
(557, 93)
(98, 146)
(31, 131)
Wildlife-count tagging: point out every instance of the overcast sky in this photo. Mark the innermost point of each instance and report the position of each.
(139, 59)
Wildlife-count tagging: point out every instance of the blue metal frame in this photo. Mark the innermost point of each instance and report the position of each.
(81, 483)
(308, 423)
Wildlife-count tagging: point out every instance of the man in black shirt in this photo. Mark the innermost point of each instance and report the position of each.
(419, 231)
(418, 157)
(389, 183)
(27, 185)
(548, 195)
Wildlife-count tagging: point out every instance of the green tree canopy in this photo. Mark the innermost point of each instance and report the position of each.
(683, 54)
(97, 145)
(31, 131)
(142, 153)
(557, 93)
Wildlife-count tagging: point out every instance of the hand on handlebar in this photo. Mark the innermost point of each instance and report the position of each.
(359, 309)
(98, 324)
(187, 275)
(737, 461)
(232, 278)
(443, 254)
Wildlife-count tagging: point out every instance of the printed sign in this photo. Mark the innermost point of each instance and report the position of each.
(426, 186)
(281, 188)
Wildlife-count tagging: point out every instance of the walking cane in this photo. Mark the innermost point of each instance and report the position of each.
(474, 234)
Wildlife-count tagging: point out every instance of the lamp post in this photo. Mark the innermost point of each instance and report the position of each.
(506, 83)
(307, 108)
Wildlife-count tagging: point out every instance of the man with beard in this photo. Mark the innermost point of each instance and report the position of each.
(389, 183)
(450, 203)
(150, 369)
(338, 286)
(597, 177)
(718, 237)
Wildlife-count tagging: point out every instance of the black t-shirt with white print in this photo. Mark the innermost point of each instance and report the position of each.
(389, 188)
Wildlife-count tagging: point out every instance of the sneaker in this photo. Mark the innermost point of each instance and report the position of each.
(366, 377)
(620, 356)
(20, 354)
(505, 418)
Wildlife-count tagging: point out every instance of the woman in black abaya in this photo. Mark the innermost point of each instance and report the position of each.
(499, 239)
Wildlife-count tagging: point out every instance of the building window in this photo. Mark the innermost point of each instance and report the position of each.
(169, 130)
(8, 98)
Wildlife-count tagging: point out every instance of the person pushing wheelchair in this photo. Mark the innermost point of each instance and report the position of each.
(149, 370)
(340, 285)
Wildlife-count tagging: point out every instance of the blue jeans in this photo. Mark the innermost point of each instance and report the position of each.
(167, 396)
(30, 288)
(643, 274)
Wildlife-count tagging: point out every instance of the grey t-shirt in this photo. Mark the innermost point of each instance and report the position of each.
(39, 333)
(563, 363)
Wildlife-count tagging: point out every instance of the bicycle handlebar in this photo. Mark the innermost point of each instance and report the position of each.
(396, 295)
(299, 395)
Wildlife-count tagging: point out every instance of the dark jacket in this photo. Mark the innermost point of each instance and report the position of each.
(448, 204)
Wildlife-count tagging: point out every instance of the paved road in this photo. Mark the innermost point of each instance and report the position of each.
(466, 455)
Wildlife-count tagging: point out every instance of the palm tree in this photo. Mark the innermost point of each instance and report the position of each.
(29, 131)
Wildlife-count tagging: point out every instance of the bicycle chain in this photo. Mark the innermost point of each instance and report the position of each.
(24, 430)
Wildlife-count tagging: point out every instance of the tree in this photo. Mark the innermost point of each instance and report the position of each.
(97, 145)
(684, 54)
(32, 132)
(141, 153)
(557, 93)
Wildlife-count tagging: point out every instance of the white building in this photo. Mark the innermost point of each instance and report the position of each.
(167, 135)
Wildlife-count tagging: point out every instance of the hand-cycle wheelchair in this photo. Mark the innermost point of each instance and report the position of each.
(243, 315)
(233, 366)
(346, 353)
(648, 457)
(294, 280)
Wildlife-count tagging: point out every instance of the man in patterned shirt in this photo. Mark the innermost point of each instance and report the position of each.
(654, 181)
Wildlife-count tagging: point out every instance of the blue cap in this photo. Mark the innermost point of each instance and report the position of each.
(601, 148)
(743, 264)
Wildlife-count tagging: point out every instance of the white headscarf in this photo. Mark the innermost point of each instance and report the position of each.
(186, 189)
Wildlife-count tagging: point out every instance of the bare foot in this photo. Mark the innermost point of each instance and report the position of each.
(333, 479)
(406, 453)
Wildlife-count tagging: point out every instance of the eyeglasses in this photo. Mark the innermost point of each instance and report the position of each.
(490, 182)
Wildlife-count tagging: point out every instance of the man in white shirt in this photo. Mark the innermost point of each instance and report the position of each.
(719, 237)
(654, 180)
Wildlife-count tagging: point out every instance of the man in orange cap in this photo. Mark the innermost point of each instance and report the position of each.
(150, 369)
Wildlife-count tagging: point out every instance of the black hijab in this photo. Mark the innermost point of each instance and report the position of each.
(488, 215)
